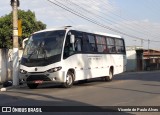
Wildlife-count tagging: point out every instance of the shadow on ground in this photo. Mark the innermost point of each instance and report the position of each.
(54, 104)
(143, 76)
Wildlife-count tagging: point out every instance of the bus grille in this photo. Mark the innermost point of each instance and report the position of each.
(38, 77)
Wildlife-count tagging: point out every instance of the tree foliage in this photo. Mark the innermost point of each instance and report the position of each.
(29, 26)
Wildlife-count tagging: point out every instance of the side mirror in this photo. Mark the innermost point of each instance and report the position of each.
(24, 42)
(72, 39)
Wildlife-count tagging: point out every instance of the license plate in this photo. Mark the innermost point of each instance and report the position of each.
(38, 81)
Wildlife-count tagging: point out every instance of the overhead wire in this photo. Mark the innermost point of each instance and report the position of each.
(127, 26)
(92, 20)
(145, 29)
(101, 17)
(133, 26)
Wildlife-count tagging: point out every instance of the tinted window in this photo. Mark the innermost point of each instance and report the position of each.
(100, 40)
(88, 43)
(43, 48)
(119, 42)
(91, 39)
(111, 45)
(101, 44)
(110, 41)
(119, 46)
(71, 49)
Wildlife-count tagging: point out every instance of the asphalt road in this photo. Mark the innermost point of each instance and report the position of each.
(127, 89)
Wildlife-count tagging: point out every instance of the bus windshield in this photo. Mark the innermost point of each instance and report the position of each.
(43, 48)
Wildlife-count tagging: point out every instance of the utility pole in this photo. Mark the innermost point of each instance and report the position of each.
(148, 43)
(15, 66)
(142, 43)
(148, 49)
(135, 44)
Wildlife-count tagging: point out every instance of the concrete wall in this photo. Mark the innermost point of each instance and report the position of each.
(3, 64)
(131, 60)
(6, 64)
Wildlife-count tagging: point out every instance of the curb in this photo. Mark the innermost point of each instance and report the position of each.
(4, 89)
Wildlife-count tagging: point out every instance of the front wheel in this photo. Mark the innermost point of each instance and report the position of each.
(110, 77)
(69, 80)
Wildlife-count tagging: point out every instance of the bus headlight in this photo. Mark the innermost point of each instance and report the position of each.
(54, 69)
(23, 71)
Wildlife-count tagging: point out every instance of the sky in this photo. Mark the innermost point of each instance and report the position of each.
(137, 21)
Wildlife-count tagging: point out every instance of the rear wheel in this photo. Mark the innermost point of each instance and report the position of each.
(110, 77)
(69, 80)
(32, 85)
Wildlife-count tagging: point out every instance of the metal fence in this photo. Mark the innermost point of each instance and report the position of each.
(152, 64)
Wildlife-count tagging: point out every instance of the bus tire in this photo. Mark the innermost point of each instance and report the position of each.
(32, 85)
(69, 80)
(110, 77)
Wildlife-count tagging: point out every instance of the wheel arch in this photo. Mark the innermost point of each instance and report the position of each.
(72, 71)
(111, 69)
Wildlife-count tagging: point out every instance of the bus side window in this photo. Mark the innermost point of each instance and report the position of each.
(89, 44)
(119, 46)
(111, 45)
(78, 45)
(68, 49)
(84, 43)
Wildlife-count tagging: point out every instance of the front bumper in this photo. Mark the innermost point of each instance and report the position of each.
(43, 77)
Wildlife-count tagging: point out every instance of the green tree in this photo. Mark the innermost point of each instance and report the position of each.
(29, 26)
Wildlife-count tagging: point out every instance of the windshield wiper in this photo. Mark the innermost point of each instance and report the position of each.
(30, 55)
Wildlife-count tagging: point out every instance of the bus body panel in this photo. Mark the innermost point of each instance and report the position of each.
(89, 66)
(35, 71)
(84, 65)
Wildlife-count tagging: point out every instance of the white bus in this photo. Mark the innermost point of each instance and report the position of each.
(66, 55)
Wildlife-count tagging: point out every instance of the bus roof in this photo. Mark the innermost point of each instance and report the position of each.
(78, 29)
